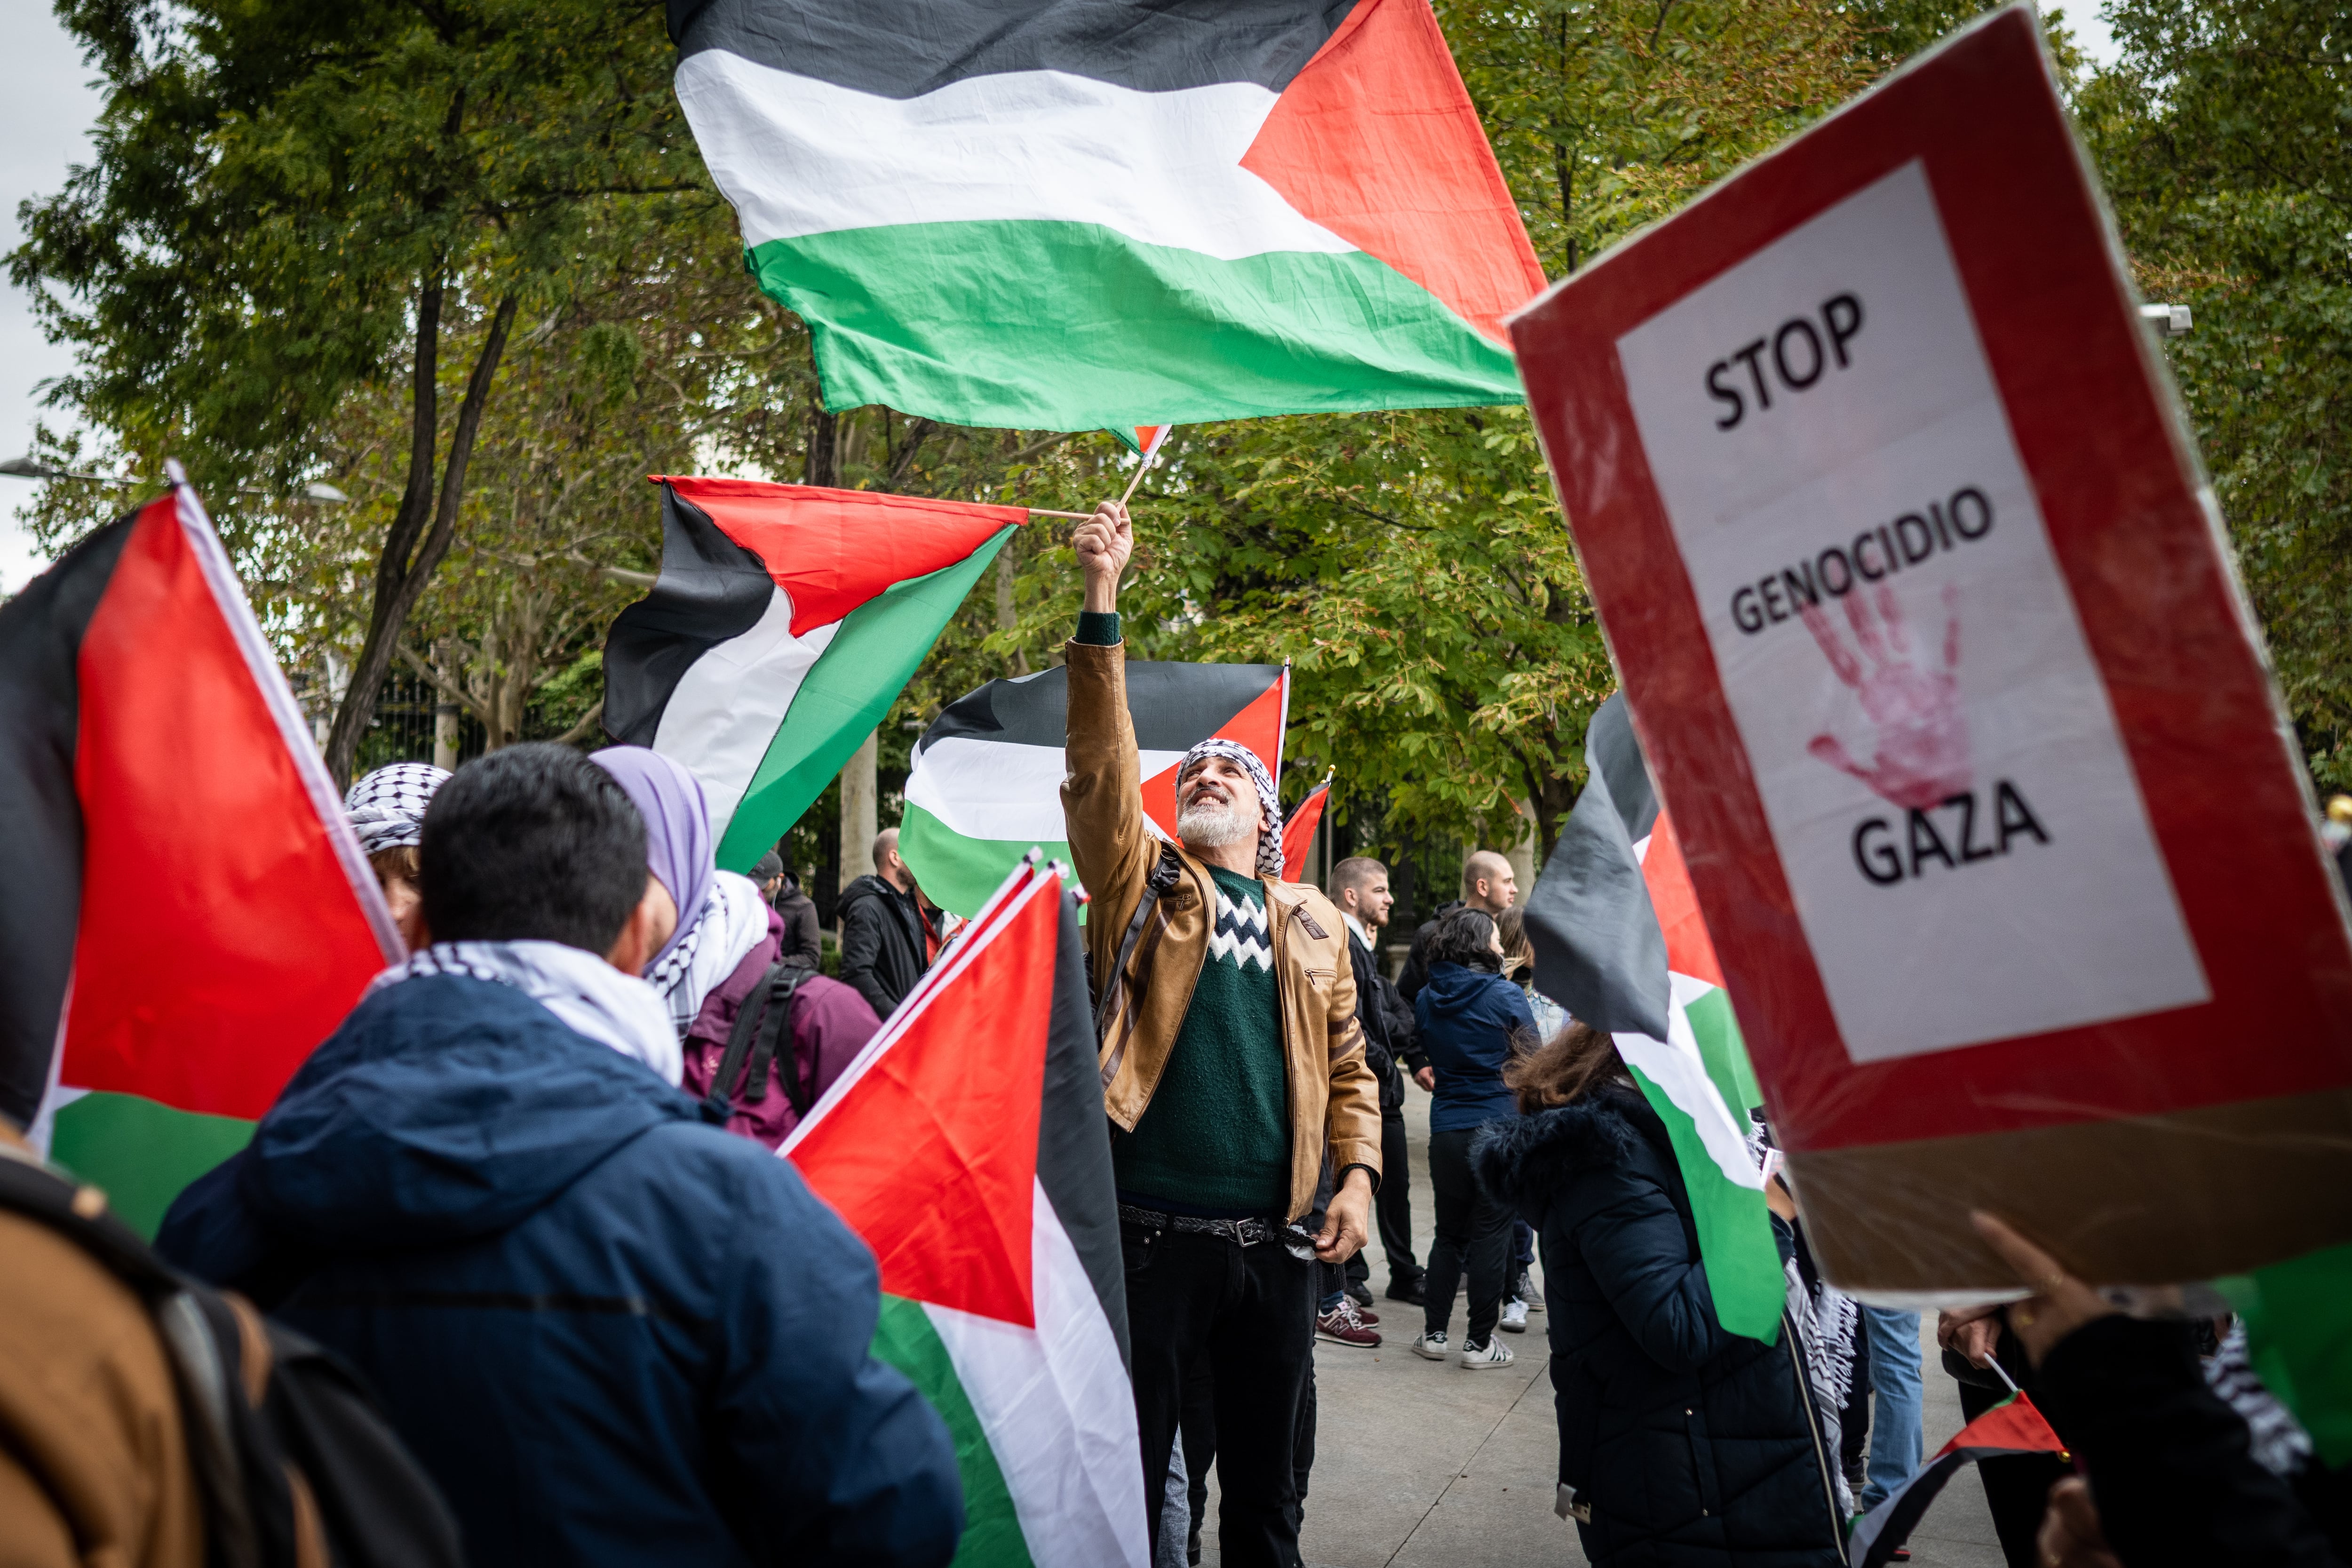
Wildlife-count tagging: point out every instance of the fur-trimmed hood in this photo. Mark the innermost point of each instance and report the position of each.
(1525, 1160)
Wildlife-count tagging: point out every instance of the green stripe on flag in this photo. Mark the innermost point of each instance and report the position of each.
(1725, 1051)
(140, 1153)
(904, 1337)
(958, 873)
(1735, 1229)
(2299, 1341)
(1043, 325)
(844, 696)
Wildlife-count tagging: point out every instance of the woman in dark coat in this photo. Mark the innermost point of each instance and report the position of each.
(1679, 1443)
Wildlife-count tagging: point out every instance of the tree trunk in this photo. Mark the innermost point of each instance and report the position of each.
(411, 553)
(823, 451)
(860, 811)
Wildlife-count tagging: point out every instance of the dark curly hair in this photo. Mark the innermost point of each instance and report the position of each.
(1465, 937)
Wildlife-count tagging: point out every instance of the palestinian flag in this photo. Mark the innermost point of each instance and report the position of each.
(1619, 942)
(1146, 440)
(967, 1145)
(1051, 215)
(1298, 830)
(787, 620)
(183, 910)
(2012, 1427)
(985, 783)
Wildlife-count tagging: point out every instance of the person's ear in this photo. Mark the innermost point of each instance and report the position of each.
(649, 926)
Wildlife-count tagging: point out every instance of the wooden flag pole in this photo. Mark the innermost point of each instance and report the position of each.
(1048, 512)
(1142, 468)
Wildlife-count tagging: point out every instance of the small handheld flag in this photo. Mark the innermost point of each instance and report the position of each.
(2012, 1427)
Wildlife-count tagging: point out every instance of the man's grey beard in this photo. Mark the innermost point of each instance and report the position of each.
(1205, 825)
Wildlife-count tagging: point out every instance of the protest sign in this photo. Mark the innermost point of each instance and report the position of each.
(1930, 637)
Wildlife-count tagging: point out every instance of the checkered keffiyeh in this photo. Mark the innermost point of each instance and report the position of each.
(388, 807)
(1269, 827)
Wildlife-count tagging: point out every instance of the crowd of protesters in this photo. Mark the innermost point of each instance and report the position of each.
(527, 1191)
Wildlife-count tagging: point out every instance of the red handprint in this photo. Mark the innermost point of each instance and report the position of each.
(1922, 751)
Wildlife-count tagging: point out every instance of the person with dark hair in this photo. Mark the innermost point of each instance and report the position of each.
(1359, 887)
(800, 946)
(1681, 1446)
(1488, 885)
(608, 1329)
(885, 940)
(1471, 1020)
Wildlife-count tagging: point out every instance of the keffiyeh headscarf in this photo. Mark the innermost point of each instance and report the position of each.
(1269, 827)
(388, 807)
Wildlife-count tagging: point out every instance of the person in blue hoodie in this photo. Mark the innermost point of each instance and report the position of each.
(1472, 1021)
(611, 1332)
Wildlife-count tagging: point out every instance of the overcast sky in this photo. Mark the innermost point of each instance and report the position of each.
(45, 122)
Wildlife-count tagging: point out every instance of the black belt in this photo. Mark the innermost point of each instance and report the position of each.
(1246, 1232)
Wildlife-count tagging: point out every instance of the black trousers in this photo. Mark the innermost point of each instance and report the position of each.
(1249, 1312)
(1392, 1204)
(1472, 1230)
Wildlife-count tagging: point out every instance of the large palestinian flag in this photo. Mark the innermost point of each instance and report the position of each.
(787, 620)
(967, 1145)
(985, 786)
(1065, 213)
(183, 910)
(1619, 942)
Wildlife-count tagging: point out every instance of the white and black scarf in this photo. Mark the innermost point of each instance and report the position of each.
(587, 995)
(732, 921)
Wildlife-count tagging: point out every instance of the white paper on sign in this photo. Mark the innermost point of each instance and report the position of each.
(1936, 751)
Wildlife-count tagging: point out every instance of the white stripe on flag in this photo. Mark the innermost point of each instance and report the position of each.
(799, 156)
(1058, 1411)
(730, 703)
(1675, 1066)
(999, 790)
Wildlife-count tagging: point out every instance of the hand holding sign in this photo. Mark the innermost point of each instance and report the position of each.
(1921, 758)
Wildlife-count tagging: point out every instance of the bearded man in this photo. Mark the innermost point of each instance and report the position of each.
(1232, 1069)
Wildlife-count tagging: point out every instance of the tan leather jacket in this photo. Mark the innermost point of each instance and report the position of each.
(1334, 1099)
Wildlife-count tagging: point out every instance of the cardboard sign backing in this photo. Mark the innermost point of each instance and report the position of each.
(1929, 633)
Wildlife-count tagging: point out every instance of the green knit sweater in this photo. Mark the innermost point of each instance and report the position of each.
(1216, 1137)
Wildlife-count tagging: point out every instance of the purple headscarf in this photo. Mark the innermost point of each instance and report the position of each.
(678, 849)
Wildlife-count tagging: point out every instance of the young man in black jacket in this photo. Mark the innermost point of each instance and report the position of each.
(884, 950)
(1359, 886)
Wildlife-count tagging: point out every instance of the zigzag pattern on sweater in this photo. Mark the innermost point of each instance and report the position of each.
(1240, 935)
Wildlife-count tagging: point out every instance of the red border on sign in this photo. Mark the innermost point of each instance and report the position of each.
(2115, 481)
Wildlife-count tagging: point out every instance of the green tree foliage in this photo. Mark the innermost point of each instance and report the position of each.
(291, 201)
(2225, 139)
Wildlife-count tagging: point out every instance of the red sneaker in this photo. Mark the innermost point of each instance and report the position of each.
(1343, 1326)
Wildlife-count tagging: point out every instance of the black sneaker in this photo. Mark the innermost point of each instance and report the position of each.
(1360, 1293)
(1408, 1291)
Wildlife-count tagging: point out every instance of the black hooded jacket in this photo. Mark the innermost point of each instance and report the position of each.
(1690, 1446)
(883, 953)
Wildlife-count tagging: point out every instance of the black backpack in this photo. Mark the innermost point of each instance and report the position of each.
(763, 1026)
(308, 1476)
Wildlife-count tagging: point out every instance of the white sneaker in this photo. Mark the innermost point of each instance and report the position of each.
(1514, 1317)
(1474, 1355)
(1431, 1347)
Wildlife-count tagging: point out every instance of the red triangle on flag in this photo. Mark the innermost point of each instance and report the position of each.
(190, 756)
(1298, 831)
(1689, 950)
(1257, 726)
(834, 549)
(1376, 138)
(930, 1152)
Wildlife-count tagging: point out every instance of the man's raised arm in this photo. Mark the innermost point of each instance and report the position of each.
(1102, 797)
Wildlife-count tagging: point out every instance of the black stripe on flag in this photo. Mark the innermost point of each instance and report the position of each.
(1173, 706)
(905, 48)
(710, 589)
(1073, 1137)
(40, 853)
(1599, 951)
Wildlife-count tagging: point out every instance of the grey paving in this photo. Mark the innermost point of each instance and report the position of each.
(1422, 1465)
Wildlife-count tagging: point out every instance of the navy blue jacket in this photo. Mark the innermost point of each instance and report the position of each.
(612, 1332)
(1467, 1018)
(1692, 1445)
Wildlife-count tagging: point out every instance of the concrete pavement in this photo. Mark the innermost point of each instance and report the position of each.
(1421, 1464)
